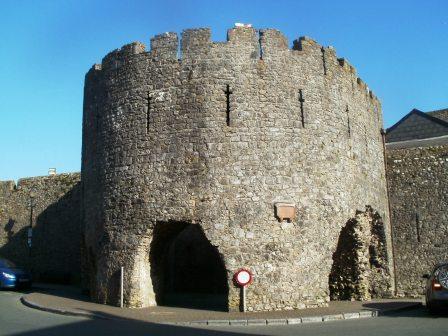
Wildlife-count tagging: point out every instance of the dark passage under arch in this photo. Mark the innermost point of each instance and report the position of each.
(186, 270)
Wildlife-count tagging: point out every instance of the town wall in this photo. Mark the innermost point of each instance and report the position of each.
(55, 217)
(418, 192)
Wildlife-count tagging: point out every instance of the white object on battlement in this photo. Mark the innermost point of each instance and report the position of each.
(247, 25)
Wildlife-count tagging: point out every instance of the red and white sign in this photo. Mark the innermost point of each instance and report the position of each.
(243, 277)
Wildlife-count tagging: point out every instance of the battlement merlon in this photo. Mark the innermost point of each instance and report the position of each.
(346, 65)
(118, 55)
(365, 89)
(272, 41)
(361, 84)
(305, 43)
(242, 35)
(93, 72)
(6, 187)
(164, 46)
(195, 41)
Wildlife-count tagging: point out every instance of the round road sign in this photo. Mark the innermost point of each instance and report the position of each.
(243, 277)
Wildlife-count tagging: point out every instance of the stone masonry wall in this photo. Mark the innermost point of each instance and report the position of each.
(360, 269)
(159, 146)
(418, 192)
(55, 252)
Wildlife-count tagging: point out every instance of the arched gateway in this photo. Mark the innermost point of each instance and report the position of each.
(186, 270)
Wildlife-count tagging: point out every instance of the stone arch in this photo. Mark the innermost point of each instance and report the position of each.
(186, 269)
(360, 268)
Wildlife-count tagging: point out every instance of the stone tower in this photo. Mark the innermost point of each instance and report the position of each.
(189, 162)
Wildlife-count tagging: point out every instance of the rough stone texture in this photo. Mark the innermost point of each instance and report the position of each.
(418, 192)
(157, 150)
(56, 220)
(360, 269)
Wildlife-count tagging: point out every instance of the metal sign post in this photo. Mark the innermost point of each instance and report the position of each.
(121, 286)
(244, 298)
(243, 277)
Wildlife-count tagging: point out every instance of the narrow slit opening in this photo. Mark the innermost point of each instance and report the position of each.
(324, 61)
(349, 131)
(417, 225)
(228, 92)
(260, 45)
(148, 112)
(302, 113)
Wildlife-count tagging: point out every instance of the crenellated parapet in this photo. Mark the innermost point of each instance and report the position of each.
(195, 44)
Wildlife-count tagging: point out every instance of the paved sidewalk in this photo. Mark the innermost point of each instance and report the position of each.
(68, 300)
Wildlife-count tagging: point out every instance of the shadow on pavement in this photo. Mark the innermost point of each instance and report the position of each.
(99, 327)
(392, 309)
(57, 290)
(386, 306)
(214, 302)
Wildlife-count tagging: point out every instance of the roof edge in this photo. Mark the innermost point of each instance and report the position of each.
(420, 113)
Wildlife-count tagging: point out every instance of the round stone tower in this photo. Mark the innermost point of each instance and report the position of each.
(243, 153)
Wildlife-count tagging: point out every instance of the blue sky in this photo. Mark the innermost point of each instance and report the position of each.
(399, 48)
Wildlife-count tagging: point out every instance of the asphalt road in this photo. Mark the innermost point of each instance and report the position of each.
(16, 319)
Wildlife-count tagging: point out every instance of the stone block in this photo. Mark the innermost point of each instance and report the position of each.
(276, 321)
(256, 322)
(311, 319)
(349, 316)
(333, 317)
(294, 320)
